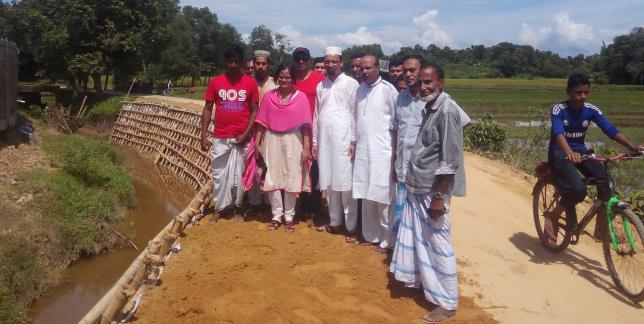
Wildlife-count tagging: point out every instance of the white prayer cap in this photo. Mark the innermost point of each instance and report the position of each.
(332, 51)
(259, 53)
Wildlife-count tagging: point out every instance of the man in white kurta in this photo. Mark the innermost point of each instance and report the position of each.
(372, 173)
(333, 138)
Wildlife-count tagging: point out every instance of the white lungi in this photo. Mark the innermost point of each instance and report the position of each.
(423, 256)
(227, 163)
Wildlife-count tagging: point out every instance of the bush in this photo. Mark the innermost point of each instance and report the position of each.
(106, 109)
(9, 312)
(88, 192)
(20, 279)
(92, 161)
(35, 111)
(485, 136)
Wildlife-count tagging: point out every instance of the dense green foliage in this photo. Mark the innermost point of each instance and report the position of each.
(74, 40)
(623, 60)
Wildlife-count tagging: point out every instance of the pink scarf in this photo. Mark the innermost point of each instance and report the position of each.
(284, 118)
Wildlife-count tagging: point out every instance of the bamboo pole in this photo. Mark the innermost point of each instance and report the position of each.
(80, 110)
(113, 309)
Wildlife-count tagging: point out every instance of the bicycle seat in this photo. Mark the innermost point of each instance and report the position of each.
(542, 169)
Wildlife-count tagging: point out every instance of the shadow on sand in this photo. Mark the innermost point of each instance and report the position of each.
(589, 269)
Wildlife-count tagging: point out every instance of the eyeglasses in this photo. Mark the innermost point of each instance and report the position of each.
(300, 59)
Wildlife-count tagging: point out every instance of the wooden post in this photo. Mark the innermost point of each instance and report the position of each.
(117, 304)
(80, 110)
(130, 90)
(168, 239)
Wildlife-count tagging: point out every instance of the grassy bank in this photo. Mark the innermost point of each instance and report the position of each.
(71, 206)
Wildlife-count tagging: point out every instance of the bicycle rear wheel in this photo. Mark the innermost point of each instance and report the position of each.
(626, 264)
(544, 199)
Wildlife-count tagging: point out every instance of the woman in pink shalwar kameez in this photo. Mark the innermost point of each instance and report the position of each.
(282, 139)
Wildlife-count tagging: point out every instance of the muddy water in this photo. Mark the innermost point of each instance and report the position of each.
(159, 198)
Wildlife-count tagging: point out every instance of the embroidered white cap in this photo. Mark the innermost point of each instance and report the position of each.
(333, 50)
(259, 53)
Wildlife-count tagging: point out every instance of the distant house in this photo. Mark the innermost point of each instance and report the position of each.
(8, 83)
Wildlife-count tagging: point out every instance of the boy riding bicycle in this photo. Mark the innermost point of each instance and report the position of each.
(570, 120)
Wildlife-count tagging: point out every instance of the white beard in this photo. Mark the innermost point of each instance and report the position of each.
(432, 96)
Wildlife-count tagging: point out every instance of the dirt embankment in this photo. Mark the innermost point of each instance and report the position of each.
(240, 273)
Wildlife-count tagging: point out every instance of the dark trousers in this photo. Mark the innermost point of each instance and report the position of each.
(569, 182)
(312, 201)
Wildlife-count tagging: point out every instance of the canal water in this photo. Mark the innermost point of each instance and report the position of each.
(159, 197)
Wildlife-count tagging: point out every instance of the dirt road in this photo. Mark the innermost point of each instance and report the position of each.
(240, 273)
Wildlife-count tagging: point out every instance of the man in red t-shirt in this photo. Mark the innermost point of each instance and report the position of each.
(307, 81)
(235, 97)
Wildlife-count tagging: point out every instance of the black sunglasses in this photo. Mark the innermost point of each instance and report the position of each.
(301, 58)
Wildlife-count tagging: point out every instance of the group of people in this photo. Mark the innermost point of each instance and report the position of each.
(398, 149)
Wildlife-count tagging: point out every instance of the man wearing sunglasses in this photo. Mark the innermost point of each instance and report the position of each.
(307, 81)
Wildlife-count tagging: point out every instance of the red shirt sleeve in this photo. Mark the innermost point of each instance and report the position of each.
(210, 91)
(254, 91)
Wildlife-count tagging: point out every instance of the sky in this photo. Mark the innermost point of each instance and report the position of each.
(566, 27)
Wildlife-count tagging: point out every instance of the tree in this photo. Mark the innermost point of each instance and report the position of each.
(623, 61)
(75, 39)
(261, 38)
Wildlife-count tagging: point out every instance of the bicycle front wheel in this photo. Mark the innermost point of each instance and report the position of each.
(551, 228)
(626, 261)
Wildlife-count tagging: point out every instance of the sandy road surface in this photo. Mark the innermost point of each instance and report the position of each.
(239, 273)
(193, 104)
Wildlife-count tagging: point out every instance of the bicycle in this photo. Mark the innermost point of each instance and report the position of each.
(623, 242)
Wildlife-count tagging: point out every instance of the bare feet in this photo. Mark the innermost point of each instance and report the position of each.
(380, 250)
(239, 215)
(351, 238)
(215, 217)
(328, 229)
(310, 220)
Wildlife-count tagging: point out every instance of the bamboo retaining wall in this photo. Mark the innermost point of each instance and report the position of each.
(172, 134)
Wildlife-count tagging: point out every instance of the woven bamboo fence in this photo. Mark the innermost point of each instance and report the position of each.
(172, 134)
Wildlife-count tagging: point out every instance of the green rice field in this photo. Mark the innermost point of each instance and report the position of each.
(509, 100)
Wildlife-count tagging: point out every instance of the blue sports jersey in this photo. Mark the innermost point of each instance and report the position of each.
(573, 123)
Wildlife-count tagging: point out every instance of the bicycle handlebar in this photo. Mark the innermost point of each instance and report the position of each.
(620, 156)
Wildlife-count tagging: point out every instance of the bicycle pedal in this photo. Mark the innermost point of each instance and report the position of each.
(574, 239)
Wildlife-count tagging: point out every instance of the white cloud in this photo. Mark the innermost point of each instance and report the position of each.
(429, 31)
(424, 31)
(562, 34)
(314, 43)
(575, 33)
(362, 36)
(533, 37)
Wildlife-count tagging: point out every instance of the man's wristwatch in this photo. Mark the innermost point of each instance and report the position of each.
(438, 195)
